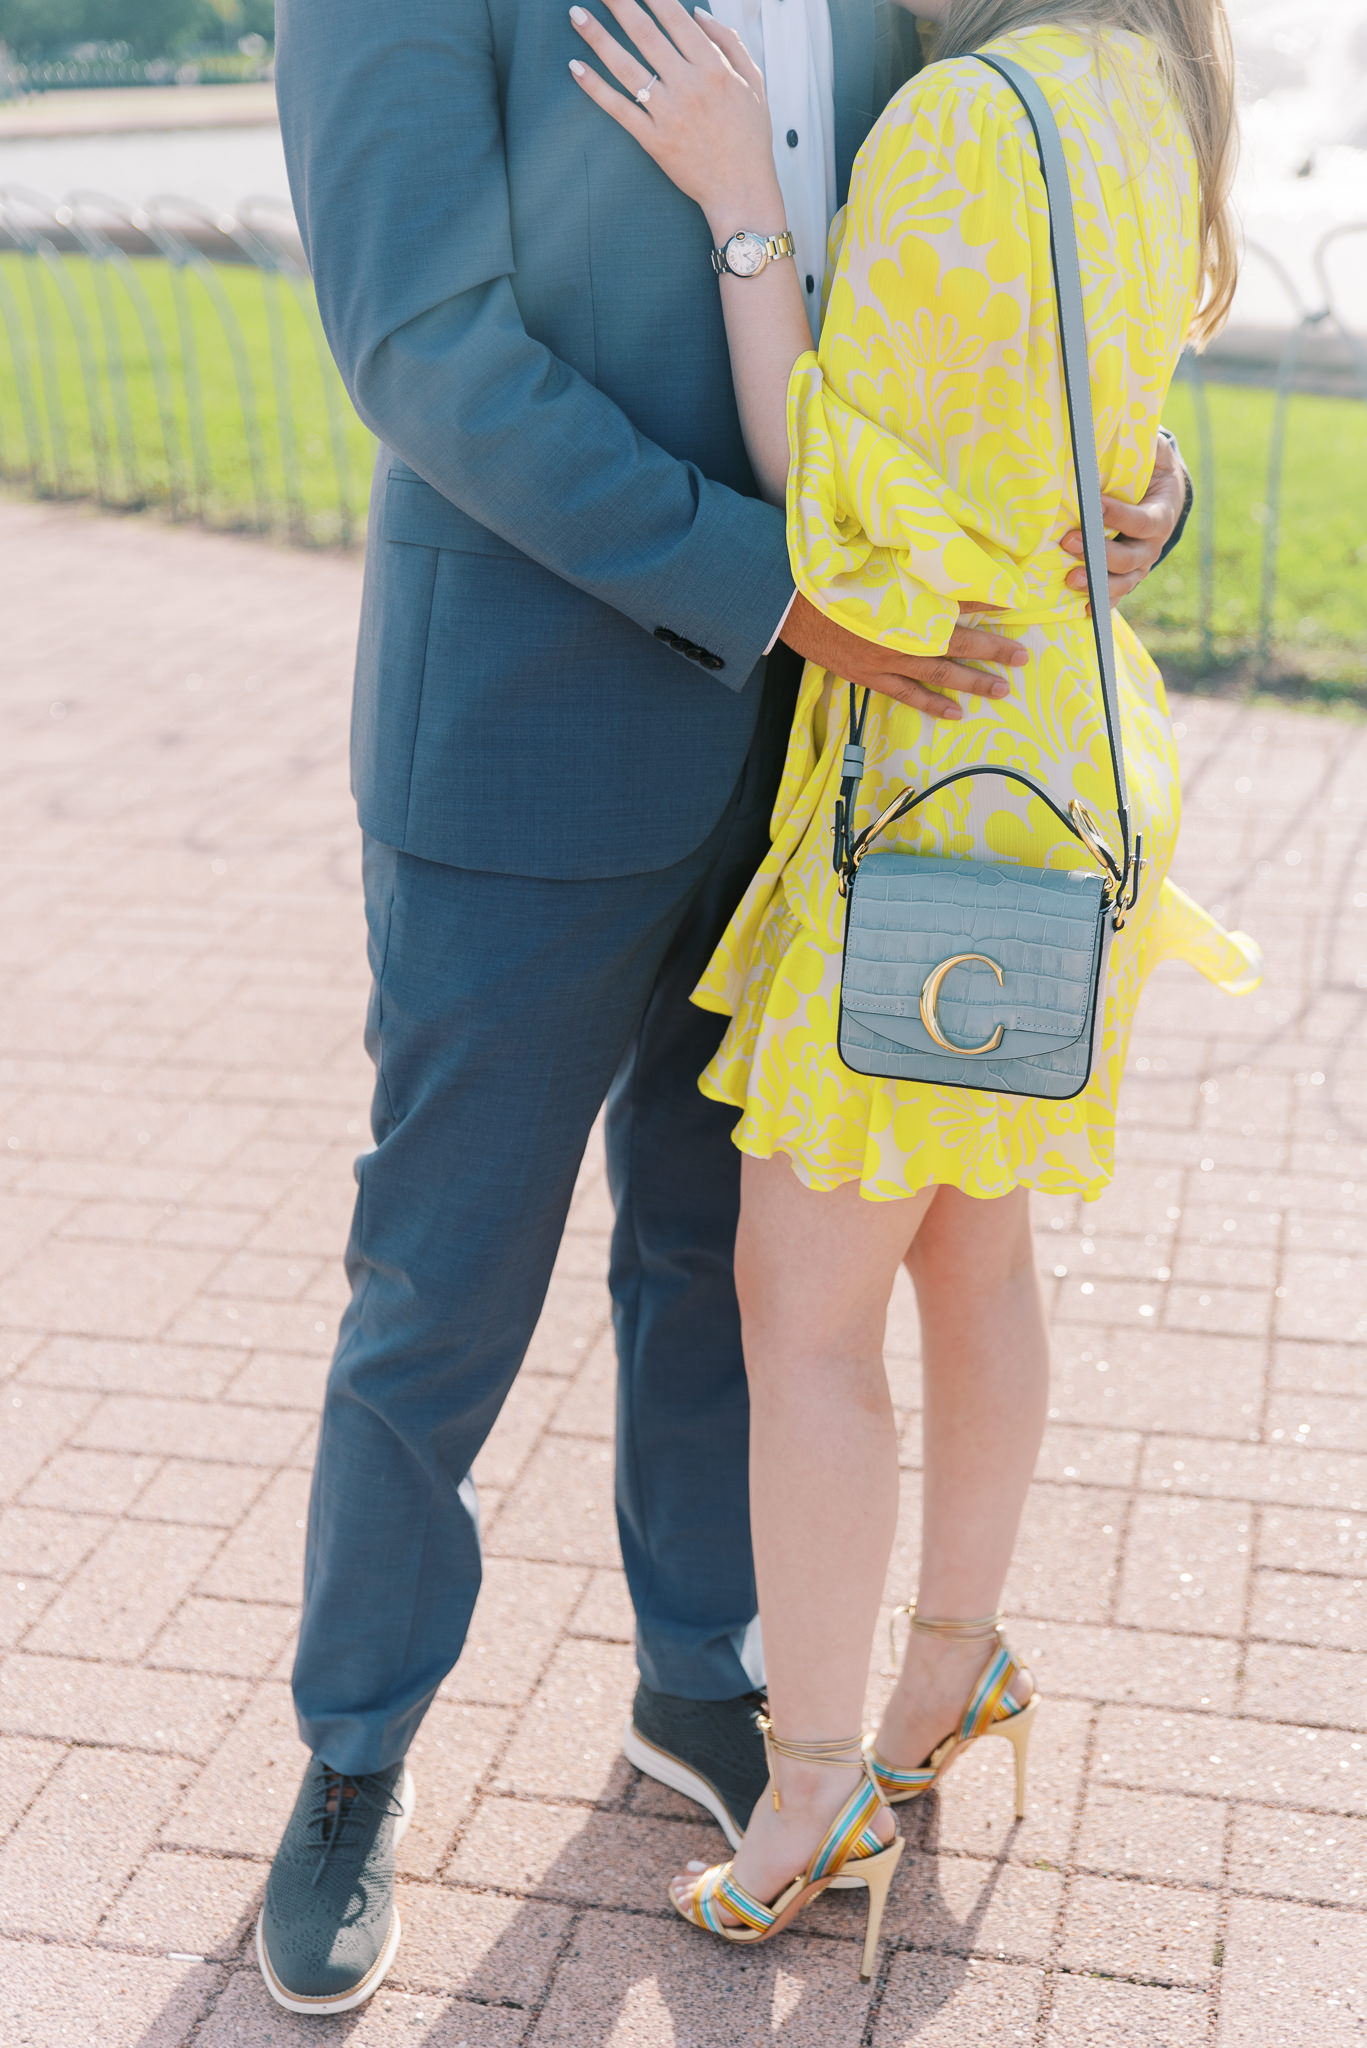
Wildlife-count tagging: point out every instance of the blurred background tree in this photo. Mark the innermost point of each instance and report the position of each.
(35, 30)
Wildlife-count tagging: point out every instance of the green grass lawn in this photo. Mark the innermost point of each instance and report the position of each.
(207, 390)
(1319, 613)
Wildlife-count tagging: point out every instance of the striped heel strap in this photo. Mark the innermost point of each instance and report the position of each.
(850, 1836)
(893, 1781)
(717, 1892)
(853, 1822)
(853, 1826)
(993, 1697)
(869, 1843)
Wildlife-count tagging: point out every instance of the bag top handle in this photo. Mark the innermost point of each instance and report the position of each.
(850, 847)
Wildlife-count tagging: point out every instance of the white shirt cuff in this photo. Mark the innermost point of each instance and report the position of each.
(778, 630)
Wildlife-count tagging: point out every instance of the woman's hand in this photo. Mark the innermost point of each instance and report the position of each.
(704, 118)
(694, 100)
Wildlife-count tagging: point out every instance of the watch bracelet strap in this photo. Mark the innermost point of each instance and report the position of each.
(775, 247)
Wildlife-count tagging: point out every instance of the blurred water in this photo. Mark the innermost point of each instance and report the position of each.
(1303, 79)
(1303, 169)
(217, 166)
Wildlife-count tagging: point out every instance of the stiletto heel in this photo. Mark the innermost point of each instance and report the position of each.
(878, 1873)
(1017, 1732)
(850, 1844)
(995, 1707)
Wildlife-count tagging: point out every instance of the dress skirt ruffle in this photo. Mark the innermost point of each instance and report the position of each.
(779, 1066)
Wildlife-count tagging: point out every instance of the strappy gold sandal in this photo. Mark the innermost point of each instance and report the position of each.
(996, 1706)
(850, 1840)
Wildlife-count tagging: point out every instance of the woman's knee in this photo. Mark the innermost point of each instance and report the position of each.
(968, 1242)
(802, 1344)
(805, 1349)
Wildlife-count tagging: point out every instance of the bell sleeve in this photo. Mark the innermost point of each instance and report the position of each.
(912, 419)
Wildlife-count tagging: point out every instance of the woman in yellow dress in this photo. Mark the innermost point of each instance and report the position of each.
(925, 461)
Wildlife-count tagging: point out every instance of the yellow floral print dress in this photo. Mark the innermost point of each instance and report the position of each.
(931, 481)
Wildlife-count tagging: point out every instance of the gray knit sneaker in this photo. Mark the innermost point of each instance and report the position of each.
(329, 1928)
(709, 1750)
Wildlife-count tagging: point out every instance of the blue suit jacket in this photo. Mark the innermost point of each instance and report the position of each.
(569, 577)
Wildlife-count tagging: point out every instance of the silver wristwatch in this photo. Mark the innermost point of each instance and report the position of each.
(746, 253)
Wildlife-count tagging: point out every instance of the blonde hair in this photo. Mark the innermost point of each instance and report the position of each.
(1194, 45)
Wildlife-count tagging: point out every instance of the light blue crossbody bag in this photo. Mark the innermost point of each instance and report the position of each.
(992, 974)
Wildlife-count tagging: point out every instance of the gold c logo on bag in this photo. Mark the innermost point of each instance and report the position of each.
(930, 996)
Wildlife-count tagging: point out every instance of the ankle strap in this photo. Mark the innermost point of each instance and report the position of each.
(981, 1629)
(845, 1752)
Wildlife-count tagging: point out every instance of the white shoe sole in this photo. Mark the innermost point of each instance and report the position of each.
(379, 1969)
(670, 1770)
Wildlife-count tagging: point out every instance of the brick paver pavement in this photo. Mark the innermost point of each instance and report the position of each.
(182, 1091)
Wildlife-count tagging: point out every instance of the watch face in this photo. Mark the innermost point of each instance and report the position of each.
(745, 254)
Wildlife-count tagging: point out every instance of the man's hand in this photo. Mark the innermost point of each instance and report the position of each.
(918, 680)
(922, 681)
(1143, 528)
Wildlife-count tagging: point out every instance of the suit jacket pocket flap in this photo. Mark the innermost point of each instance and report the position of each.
(415, 513)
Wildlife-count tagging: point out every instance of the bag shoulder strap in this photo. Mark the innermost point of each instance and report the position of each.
(1077, 382)
(1077, 387)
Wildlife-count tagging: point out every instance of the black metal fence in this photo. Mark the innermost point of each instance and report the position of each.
(114, 65)
(165, 355)
(1320, 353)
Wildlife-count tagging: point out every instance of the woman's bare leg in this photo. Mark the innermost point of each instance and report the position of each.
(985, 1366)
(814, 1273)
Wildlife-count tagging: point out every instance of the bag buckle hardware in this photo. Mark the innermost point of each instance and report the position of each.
(853, 850)
(1122, 883)
(1089, 832)
(1128, 894)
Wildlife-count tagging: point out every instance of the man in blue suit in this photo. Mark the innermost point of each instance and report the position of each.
(565, 746)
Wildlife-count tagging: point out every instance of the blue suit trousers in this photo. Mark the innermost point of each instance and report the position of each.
(505, 1009)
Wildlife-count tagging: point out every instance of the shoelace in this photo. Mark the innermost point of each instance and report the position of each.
(354, 1797)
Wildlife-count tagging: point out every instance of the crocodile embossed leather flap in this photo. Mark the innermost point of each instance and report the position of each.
(1002, 961)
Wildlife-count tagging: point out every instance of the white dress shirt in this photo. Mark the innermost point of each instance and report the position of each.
(790, 40)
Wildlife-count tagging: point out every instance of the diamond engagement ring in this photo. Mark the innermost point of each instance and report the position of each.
(642, 98)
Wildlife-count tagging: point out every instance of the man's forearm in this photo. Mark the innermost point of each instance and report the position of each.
(527, 447)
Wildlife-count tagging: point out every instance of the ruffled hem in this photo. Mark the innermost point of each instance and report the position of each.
(1181, 930)
(779, 1067)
